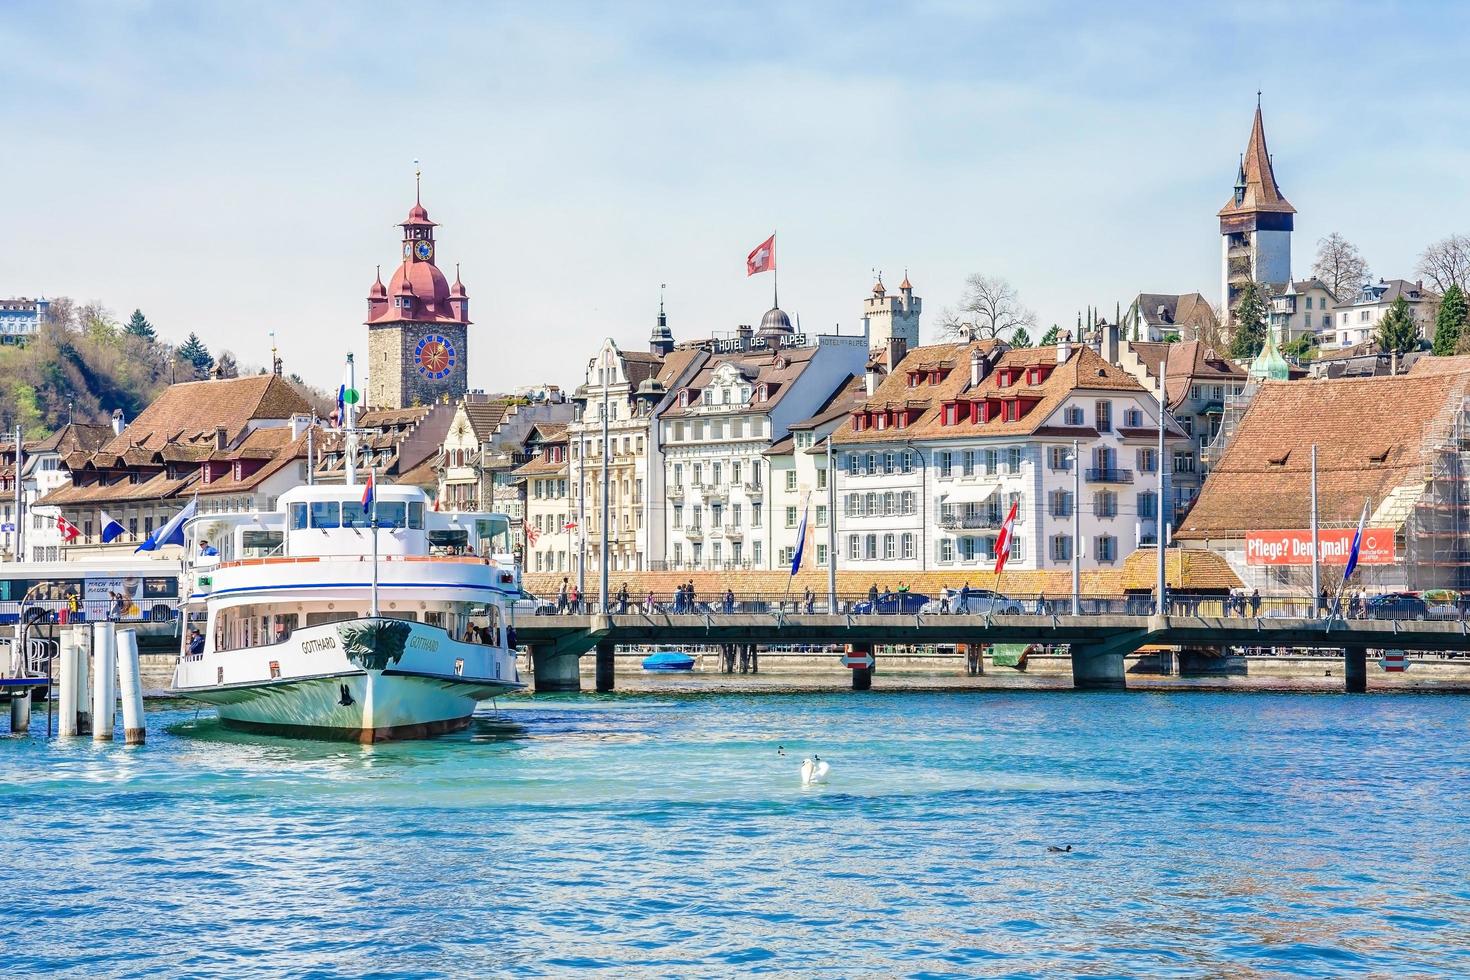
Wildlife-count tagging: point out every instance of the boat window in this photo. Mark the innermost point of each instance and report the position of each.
(329, 616)
(324, 513)
(410, 616)
(298, 517)
(257, 543)
(416, 515)
(354, 514)
(390, 513)
(450, 538)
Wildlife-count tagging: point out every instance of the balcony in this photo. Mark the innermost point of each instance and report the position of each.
(974, 522)
(675, 492)
(712, 492)
(754, 487)
(734, 532)
(1097, 474)
(694, 532)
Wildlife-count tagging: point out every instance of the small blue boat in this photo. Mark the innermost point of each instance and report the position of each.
(666, 660)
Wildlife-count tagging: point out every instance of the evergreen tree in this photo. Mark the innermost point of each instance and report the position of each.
(1049, 339)
(1397, 331)
(194, 351)
(139, 326)
(1449, 322)
(1020, 338)
(1250, 324)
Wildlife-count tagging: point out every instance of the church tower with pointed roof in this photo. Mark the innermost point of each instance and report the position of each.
(1255, 224)
(417, 325)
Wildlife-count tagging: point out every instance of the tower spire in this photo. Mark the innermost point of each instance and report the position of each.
(662, 341)
(417, 179)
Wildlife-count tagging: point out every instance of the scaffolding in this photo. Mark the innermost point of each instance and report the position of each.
(1436, 522)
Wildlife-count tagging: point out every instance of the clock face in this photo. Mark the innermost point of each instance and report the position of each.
(408, 250)
(435, 357)
(424, 250)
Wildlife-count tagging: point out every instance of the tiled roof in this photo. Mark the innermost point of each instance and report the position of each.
(378, 418)
(1261, 190)
(1369, 434)
(1184, 569)
(777, 369)
(191, 411)
(1083, 370)
(73, 437)
(485, 417)
(1178, 310)
(1190, 362)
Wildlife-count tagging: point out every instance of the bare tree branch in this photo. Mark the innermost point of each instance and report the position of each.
(990, 308)
(1446, 263)
(1340, 266)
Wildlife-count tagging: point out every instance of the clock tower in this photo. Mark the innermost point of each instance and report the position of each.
(417, 336)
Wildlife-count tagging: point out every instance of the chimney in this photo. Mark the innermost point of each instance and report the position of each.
(977, 368)
(299, 422)
(1064, 348)
(744, 332)
(221, 439)
(117, 422)
(1111, 343)
(897, 348)
(871, 381)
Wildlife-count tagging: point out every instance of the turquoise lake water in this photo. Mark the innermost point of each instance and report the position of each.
(640, 835)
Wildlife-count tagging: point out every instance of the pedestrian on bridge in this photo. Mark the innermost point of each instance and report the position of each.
(623, 599)
(729, 601)
(808, 599)
(873, 596)
(1256, 603)
(562, 597)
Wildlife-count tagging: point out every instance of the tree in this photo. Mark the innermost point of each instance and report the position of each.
(1340, 266)
(1449, 322)
(1250, 323)
(226, 367)
(1397, 331)
(194, 351)
(1020, 338)
(989, 308)
(139, 326)
(1302, 349)
(1446, 263)
(1049, 339)
(1172, 337)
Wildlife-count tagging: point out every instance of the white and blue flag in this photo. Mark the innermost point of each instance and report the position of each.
(172, 532)
(1352, 561)
(112, 528)
(800, 540)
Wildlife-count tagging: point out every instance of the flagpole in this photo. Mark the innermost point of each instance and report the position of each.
(349, 421)
(373, 521)
(1316, 546)
(1160, 509)
(775, 273)
(831, 529)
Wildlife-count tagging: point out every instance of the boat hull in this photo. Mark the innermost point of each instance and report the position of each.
(360, 680)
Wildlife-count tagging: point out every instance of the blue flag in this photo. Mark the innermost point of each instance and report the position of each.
(1357, 544)
(172, 532)
(800, 542)
(112, 529)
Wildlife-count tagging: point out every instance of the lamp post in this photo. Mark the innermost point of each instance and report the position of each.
(831, 530)
(1159, 521)
(605, 371)
(1076, 527)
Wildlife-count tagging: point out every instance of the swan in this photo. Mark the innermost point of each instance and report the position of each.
(814, 771)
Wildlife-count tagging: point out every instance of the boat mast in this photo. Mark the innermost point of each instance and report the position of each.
(349, 421)
(373, 521)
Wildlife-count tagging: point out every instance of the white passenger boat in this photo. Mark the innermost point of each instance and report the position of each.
(317, 623)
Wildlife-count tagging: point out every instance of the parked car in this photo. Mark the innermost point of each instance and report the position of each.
(979, 602)
(1397, 605)
(891, 604)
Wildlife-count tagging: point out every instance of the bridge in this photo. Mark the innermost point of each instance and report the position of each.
(1098, 644)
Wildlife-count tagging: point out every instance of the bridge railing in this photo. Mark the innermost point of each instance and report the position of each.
(63, 611)
(893, 602)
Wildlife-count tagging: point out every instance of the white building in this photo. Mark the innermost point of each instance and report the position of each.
(1300, 307)
(718, 427)
(550, 546)
(1357, 318)
(931, 464)
(21, 318)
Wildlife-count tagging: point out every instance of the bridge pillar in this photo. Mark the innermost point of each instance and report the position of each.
(554, 669)
(605, 663)
(862, 677)
(1355, 670)
(1099, 666)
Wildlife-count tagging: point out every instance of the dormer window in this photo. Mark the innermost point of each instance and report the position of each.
(684, 398)
(882, 420)
(762, 393)
(1013, 410)
(913, 379)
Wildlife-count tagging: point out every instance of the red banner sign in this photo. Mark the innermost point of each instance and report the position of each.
(1334, 544)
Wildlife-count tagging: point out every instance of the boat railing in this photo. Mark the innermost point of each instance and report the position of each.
(307, 559)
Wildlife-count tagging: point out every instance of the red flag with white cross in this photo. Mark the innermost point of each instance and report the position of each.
(763, 258)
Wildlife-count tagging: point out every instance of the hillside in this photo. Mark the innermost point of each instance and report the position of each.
(83, 364)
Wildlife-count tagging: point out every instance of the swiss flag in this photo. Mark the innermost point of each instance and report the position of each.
(69, 531)
(1003, 543)
(763, 259)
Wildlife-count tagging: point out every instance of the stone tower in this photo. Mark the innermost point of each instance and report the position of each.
(886, 317)
(417, 338)
(1255, 225)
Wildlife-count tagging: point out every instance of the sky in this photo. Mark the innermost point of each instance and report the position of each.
(234, 169)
